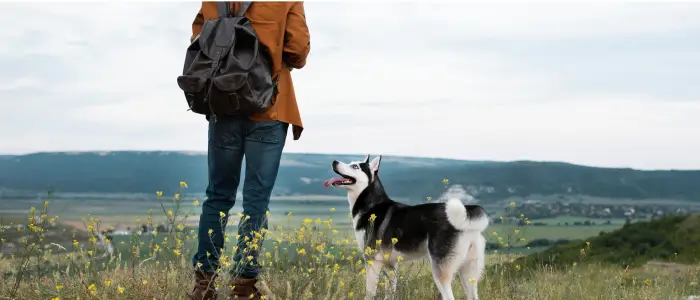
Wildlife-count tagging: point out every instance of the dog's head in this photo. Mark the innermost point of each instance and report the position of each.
(355, 176)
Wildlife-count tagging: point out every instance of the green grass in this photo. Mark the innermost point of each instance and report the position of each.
(321, 263)
(125, 213)
(571, 219)
(673, 239)
(334, 272)
(552, 232)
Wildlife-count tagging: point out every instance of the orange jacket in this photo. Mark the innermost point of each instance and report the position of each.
(281, 27)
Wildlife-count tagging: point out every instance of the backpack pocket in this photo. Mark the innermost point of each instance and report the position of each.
(195, 92)
(231, 94)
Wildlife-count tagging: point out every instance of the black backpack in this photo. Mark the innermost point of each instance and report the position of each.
(227, 71)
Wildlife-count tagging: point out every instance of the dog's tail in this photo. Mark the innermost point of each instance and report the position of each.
(466, 217)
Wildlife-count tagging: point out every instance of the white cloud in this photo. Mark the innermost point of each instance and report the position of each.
(510, 20)
(503, 81)
(20, 83)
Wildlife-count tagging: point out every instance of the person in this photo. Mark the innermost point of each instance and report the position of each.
(281, 28)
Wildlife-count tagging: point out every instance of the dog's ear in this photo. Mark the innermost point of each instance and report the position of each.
(374, 165)
(367, 159)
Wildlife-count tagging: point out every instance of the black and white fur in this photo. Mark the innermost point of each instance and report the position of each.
(449, 234)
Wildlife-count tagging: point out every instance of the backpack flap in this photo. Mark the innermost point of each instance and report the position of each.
(230, 83)
(191, 84)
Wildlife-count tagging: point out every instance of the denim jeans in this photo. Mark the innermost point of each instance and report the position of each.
(230, 140)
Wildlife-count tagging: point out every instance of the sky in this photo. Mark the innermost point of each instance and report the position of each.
(613, 84)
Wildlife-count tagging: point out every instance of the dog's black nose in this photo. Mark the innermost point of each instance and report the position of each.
(335, 163)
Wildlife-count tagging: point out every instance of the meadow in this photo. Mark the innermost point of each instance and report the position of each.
(308, 253)
(125, 211)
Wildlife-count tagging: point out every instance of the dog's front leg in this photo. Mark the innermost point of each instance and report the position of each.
(374, 268)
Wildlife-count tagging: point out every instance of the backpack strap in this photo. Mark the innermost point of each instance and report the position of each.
(224, 8)
(244, 8)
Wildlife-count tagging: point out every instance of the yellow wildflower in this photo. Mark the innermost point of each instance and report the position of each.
(91, 289)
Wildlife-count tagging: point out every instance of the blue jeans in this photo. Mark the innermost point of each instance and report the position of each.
(230, 140)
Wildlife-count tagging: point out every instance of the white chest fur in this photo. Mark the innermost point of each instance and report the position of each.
(359, 234)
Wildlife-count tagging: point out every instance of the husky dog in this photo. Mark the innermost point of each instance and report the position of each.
(449, 234)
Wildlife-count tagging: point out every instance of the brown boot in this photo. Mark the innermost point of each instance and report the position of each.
(204, 286)
(244, 289)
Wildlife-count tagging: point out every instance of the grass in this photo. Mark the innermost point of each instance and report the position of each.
(671, 239)
(552, 232)
(571, 219)
(311, 258)
(125, 212)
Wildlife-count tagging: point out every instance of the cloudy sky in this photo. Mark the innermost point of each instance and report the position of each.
(604, 84)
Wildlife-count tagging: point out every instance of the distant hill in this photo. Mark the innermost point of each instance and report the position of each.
(669, 239)
(405, 177)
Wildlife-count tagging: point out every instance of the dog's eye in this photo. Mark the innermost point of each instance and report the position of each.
(355, 166)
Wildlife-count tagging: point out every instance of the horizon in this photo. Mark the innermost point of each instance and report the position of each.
(190, 152)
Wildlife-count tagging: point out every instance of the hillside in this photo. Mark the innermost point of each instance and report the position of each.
(669, 239)
(405, 177)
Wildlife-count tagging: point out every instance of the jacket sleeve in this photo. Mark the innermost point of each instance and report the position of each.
(197, 24)
(297, 41)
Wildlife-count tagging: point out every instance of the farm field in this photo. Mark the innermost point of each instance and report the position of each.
(124, 213)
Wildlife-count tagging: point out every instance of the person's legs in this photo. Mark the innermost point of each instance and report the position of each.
(264, 142)
(225, 154)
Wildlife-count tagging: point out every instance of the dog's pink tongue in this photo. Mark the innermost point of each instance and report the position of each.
(332, 181)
